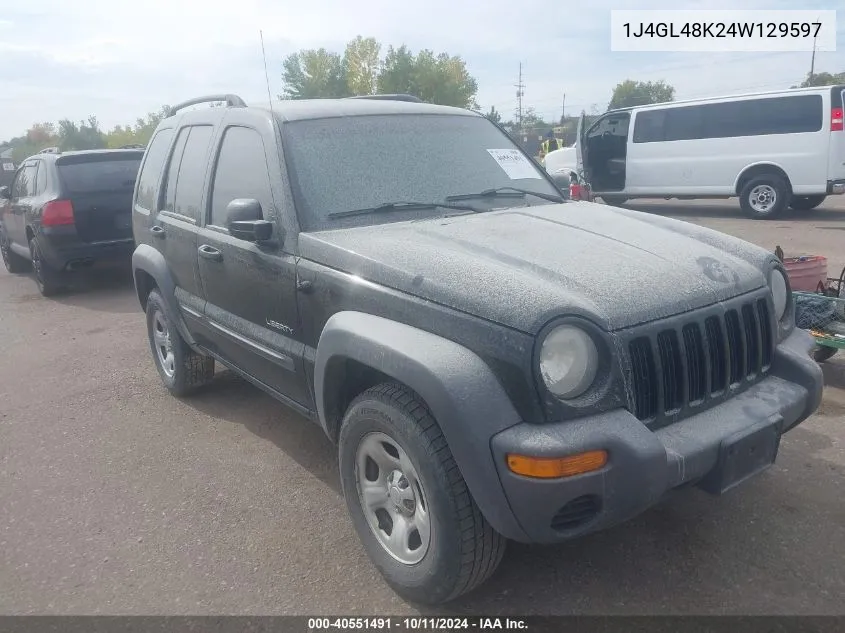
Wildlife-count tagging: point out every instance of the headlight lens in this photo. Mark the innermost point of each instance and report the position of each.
(780, 295)
(569, 361)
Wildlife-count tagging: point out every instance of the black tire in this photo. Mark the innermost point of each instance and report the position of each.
(821, 353)
(187, 371)
(805, 203)
(614, 201)
(50, 282)
(754, 192)
(464, 549)
(14, 263)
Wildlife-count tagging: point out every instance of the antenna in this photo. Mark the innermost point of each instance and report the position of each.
(266, 75)
(813, 60)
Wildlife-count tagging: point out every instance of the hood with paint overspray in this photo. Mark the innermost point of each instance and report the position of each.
(522, 267)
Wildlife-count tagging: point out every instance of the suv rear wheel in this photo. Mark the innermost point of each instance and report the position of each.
(182, 370)
(408, 501)
(48, 280)
(14, 263)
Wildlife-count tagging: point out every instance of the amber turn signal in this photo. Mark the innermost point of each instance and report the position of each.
(555, 467)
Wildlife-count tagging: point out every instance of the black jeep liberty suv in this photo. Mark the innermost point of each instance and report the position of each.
(492, 362)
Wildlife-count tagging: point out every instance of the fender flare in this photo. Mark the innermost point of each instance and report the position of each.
(461, 391)
(152, 262)
(757, 165)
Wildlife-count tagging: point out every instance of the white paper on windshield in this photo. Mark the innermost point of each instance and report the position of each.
(514, 163)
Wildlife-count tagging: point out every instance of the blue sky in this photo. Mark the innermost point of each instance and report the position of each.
(119, 60)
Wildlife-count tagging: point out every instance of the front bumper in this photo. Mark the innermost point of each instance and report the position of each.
(644, 464)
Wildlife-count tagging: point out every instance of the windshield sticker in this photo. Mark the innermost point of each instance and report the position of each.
(514, 163)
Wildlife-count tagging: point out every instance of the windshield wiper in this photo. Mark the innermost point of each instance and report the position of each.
(509, 192)
(402, 206)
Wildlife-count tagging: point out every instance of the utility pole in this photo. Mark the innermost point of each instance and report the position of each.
(563, 110)
(520, 92)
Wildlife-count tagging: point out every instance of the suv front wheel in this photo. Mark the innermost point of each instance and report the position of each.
(408, 501)
(182, 370)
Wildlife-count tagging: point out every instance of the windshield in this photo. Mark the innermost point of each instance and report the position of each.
(344, 164)
(97, 176)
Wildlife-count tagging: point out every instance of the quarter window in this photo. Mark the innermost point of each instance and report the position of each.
(150, 172)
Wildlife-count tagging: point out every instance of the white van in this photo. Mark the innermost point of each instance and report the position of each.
(773, 150)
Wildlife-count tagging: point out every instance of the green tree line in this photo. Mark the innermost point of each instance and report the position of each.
(71, 135)
(361, 69)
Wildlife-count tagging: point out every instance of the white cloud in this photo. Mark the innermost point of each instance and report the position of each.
(118, 60)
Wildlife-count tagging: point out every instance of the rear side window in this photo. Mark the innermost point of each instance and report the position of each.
(186, 173)
(683, 124)
(241, 172)
(111, 173)
(151, 171)
(191, 179)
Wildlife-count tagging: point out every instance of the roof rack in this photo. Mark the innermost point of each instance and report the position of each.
(393, 97)
(133, 146)
(233, 101)
(50, 150)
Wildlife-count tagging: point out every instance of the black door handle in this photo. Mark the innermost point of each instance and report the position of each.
(209, 252)
(157, 231)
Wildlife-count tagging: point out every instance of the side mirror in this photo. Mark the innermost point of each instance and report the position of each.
(244, 219)
(5, 193)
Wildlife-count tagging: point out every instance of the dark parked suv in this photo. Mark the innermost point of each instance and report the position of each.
(67, 210)
(492, 363)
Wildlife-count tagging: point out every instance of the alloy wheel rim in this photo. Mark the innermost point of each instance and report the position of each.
(392, 498)
(762, 198)
(163, 344)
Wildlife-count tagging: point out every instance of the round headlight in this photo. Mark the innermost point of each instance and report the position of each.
(569, 361)
(780, 296)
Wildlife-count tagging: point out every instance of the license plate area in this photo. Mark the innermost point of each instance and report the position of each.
(742, 456)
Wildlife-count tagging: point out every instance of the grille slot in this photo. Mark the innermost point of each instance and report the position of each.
(718, 357)
(696, 362)
(645, 379)
(670, 361)
(752, 339)
(735, 355)
(677, 367)
(766, 333)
